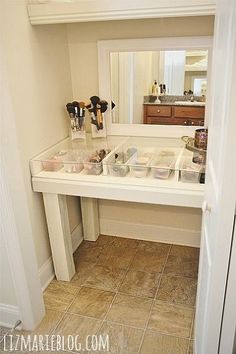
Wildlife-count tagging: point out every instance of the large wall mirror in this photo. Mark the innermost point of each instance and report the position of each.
(158, 85)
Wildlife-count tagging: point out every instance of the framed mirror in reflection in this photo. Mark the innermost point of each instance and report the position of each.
(159, 87)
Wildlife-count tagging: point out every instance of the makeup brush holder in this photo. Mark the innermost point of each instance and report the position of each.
(99, 133)
(77, 128)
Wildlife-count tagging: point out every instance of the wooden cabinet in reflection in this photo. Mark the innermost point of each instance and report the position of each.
(173, 115)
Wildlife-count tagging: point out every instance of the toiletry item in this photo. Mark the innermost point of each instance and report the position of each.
(200, 140)
(154, 88)
(162, 89)
(93, 165)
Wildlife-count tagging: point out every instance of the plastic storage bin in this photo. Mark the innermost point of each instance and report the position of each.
(139, 164)
(190, 171)
(118, 167)
(93, 164)
(117, 163)
(54, 162)
(163, 164)
(73, 161)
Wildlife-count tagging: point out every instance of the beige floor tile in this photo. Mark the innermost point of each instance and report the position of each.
(155, 343)
(177, 290)
(83, 271)
(88, 251)
(148, 261)
(11, 344)
(125, 242)
(116, 256)
(190, 349)
(159, 248)
(130, 311)
(59, 295)
(140, 283)
(171, 319)
(182, 266)
(193, 329)
(75, 325)
(122, 339)
(3, 331)
(105, 278)
(184, 251)
(105, 240)
(92, 302)
(47, 325)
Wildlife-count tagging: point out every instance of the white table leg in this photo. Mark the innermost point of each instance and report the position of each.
(90, 220)
(59, 234)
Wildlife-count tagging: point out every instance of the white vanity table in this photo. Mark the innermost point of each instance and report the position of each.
(56, 184)
(55, 178)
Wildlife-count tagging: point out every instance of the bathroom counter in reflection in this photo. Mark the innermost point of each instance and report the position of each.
(174, 113)
(177, 103)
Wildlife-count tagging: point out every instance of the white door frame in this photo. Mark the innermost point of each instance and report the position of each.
(220, 189)
(227, 341)
(14, 218)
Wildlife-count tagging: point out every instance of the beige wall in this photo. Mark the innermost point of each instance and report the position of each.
(40, 80)
(161, 215)
(83, 39)
(7, 290)
(40, 84)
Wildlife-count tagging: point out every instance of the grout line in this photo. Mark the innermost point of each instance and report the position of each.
(190, 337)
(162, 273)
(116, 292)
(153, 302)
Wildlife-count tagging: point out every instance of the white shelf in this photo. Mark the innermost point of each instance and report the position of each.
(195, 68)
(51, 12)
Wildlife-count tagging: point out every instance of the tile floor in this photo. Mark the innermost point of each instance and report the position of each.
(142, 294)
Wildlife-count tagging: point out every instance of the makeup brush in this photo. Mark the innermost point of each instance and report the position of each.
(81, 114)
(94, 100)
(76, 106)
(94, 119)
(70, 109)
(103, 107)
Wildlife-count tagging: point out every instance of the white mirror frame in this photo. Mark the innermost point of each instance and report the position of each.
(106, 47)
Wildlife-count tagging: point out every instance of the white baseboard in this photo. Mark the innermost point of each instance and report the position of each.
(150, 232)
(9, 315)
(46, 271)
(77, 237)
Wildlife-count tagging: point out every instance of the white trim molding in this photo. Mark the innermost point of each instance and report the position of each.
(46, 271)
(102, 10)
(77, 237)
(9, 314)
(150, 232)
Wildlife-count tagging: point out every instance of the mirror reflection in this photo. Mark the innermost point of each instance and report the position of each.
(161, 87)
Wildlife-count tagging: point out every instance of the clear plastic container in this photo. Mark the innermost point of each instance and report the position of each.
(190, 171)
(163, 164)
(54, 162)
(73, 161)
(139, 164)
(93, 168)
(117, 162)
(93, 164)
